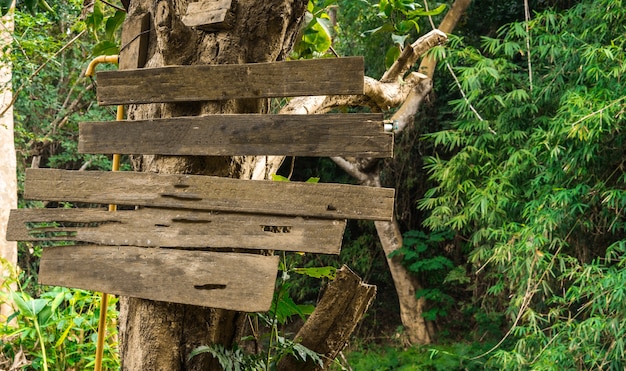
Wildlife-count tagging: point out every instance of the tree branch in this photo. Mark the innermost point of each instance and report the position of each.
(412, 53)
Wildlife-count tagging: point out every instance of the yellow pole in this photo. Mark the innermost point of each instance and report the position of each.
(115, 166)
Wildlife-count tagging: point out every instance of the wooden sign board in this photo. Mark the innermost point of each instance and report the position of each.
(241, 282)
(322, 200)
(356, 135)
(210, 15)
(329, 76)
(151, 227)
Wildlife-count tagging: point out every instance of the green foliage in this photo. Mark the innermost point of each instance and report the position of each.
(531, 174)
(104, 24)
(318, 31)
(420, 253)
(55, 331)
(456, 356)
(277, 345)
(400, 20)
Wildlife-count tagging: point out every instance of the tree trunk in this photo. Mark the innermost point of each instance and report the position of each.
(157, 335)
(329, 327)
(8, 177)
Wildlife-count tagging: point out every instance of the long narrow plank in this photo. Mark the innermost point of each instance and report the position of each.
(332, 201)
(178, 228)
(356, 135)
(218, 82)
(241, 282)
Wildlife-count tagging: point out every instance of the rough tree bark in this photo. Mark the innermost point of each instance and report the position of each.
(328, 329)
(8, 177)
(157, 335)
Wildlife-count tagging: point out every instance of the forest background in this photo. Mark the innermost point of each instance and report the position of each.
(511, 183)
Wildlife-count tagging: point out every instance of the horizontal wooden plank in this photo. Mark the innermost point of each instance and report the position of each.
(356, 135)
(327, 76)
(323, 200)
(241, 282)
(178, 228)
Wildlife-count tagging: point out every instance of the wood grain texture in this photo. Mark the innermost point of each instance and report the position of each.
(322, 200)
(242, 282)
(210, 15)
(356, 135)
(151, 227)
(135, 38)
(219, 82)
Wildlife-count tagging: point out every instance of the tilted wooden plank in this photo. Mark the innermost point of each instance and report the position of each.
(323, 200)
(178, 228)
(357, 135)
(241, 282)
(210, 15)
(229, 81)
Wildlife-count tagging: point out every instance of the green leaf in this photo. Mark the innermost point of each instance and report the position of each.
(313, 180)
(392, 54)
(95, 19)
(424, 13)
(317, 272)
(279, 178)
(105, 47)
(387, 27)
(113, 24)
(199, 350)
(407, 26)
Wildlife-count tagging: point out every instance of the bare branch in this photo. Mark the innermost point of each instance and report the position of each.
(406, 114)
(351, 168)
(412, 53)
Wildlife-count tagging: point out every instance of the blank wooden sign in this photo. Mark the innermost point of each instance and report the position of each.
(241, 282)
(178, 228)
(210, 15)
(357, 135)
(322, 200)
(329, 76)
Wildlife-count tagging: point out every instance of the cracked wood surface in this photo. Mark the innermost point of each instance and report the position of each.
(322, 200)
(229, 81)
(200, 278)
(152, 227)
(242, 134)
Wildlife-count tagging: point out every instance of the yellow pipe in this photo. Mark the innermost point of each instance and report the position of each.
(91, 69)
(115, 166)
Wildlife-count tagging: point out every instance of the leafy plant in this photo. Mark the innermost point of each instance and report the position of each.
(421, 256)
(55, 331)
(400, 20)
(530, 172)
(318, 31)
(277, 346)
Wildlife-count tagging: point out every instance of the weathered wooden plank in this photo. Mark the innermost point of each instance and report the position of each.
(210, 15)
(241, 282)
(135, 38)
(323, 200)
(357, 135)
(229, 81)
(178, 228)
